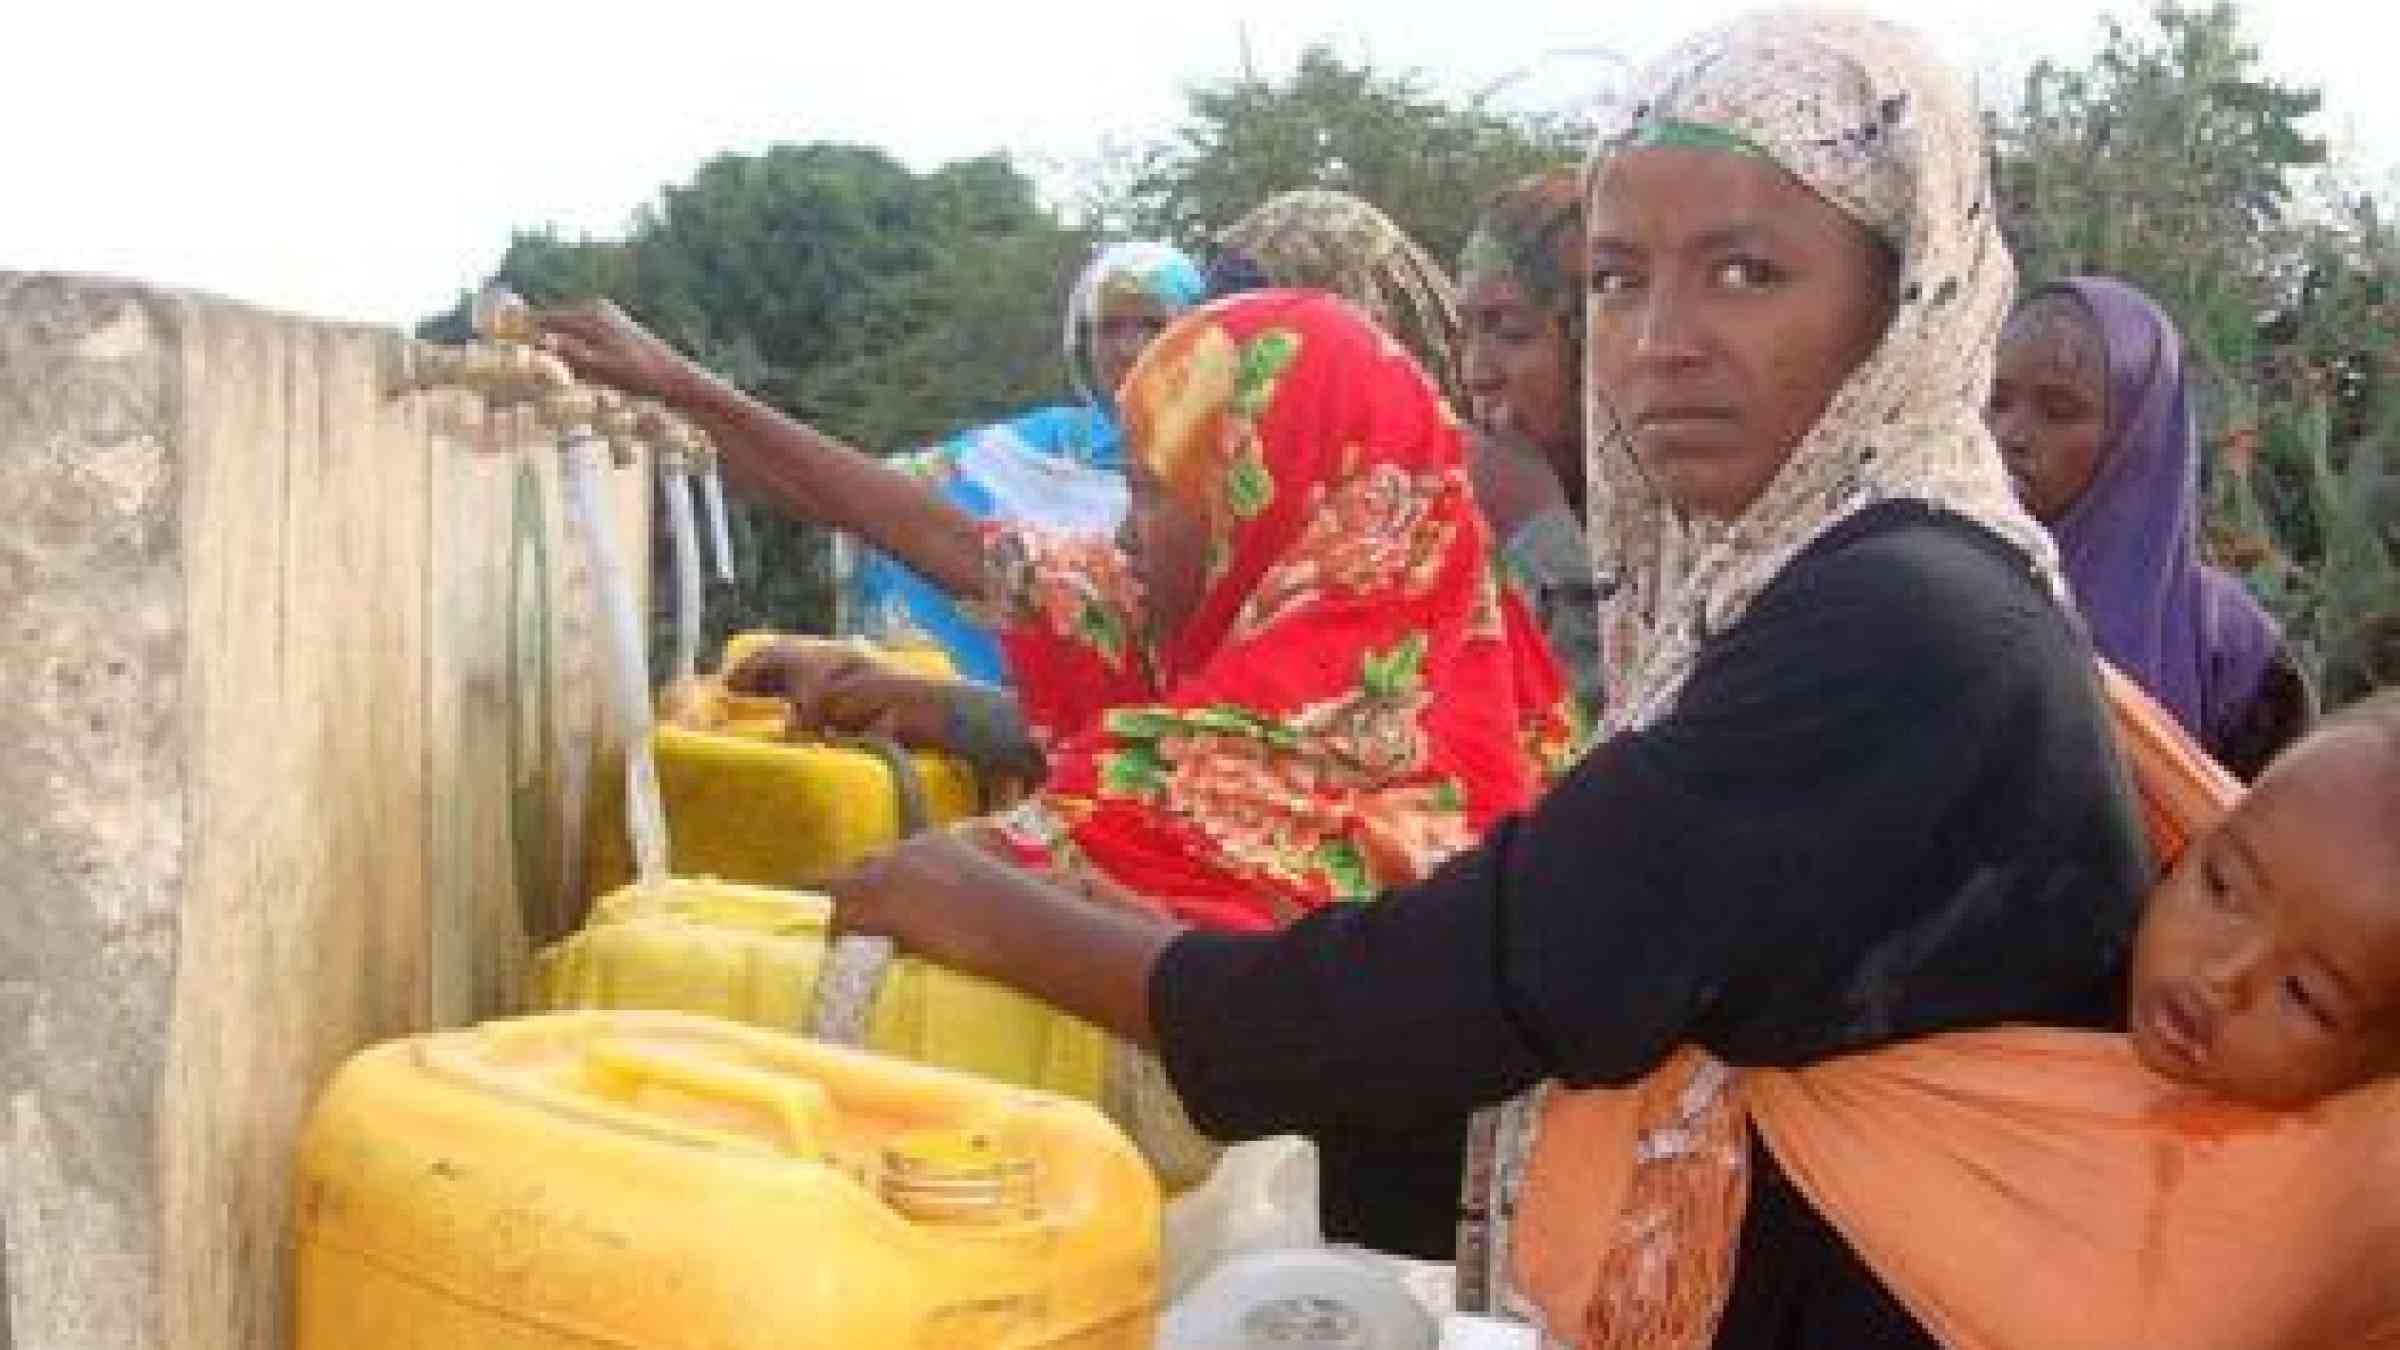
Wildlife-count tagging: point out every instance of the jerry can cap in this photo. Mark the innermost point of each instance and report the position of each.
(957, 1176)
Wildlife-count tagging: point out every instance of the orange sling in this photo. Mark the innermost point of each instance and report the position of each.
(2016, 1189)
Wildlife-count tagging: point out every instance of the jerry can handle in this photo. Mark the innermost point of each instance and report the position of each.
(907, 785)
(802, 1108)
(847, 987)
(854, 968)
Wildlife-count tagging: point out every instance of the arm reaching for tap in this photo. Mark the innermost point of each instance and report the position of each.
(800, 469)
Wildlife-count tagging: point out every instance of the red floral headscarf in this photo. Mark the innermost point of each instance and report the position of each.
(1352, 700)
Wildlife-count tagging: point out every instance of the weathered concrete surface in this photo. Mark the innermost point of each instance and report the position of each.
(296, 696)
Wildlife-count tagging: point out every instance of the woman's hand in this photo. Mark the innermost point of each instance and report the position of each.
(792, 465)
(837, 689)
(603, 344)
(923, 892)
(942, 896)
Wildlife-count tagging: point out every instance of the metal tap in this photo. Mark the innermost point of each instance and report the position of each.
(507, 367)
(614, 423)
(501, 374)
(499, 314)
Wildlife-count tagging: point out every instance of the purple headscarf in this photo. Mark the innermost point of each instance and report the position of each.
(2190, 634)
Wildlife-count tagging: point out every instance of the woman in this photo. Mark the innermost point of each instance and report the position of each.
(1060, 466)
(1521, 283)
(2091, 413)
(1259, 726)
(1299, 583)
(1857, 784)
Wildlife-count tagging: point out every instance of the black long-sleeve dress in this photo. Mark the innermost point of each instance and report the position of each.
(1887, 803)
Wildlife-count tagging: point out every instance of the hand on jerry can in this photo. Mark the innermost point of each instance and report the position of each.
(840, 690)
(907, 892)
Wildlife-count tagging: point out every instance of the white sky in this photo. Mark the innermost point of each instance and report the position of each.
(366, 161)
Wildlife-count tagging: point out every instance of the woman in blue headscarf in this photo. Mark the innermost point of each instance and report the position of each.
(1060, 466)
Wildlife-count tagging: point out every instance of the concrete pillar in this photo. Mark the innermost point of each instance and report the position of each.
(296, 705)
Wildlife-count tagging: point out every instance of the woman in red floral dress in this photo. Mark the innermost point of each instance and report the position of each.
(1299, 683)
(1292, 680)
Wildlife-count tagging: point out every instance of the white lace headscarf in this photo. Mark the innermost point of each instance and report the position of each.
(1866, 116)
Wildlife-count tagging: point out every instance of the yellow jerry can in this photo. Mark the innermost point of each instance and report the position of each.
(744, 803)
(753, 955)
(657, 1181)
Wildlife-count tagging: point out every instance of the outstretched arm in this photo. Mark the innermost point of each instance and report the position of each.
(800, 469)
(944, 897)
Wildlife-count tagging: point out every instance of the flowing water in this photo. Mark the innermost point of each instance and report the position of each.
(720, 540)
(621, 655)
(676, 485)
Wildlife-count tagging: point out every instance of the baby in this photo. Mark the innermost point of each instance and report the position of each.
(2267, 967)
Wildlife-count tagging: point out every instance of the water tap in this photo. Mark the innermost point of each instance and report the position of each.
(501, 374)
(499, 314)
(615, 423)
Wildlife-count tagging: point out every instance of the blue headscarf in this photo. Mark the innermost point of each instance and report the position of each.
(1059, 466)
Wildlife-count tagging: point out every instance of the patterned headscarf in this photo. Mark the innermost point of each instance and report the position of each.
(1865, 115)
(1352, 699)
(1321, 240)
(1532, 233)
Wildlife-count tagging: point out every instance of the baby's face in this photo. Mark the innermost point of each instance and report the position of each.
(2268, 965)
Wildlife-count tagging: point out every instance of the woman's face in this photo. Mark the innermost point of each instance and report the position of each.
(1519, 367)
(1729, 302)
(2049, 408)
(1127, 321)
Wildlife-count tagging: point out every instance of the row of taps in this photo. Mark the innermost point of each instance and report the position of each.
(507, 367)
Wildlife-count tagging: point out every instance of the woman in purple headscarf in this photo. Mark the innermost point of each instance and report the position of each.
(2090, 411)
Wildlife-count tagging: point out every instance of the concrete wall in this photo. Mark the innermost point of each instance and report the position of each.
(297, 703)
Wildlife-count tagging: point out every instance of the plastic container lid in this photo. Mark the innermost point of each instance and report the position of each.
(1261, 1197)
(1466, 1331)
(1298, 1300)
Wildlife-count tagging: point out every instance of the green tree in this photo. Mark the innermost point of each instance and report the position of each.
(886, 307)
(1427, 160)
(543, 268)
